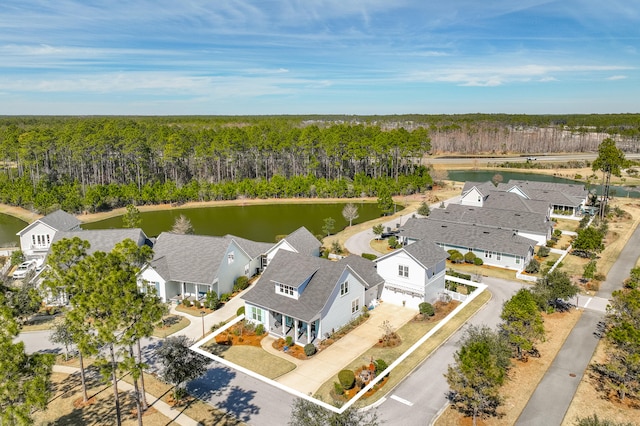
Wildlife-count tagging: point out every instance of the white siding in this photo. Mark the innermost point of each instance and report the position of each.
(282, 244)
(229, 271)
(42, 234)
(151, 276)
(472, 198)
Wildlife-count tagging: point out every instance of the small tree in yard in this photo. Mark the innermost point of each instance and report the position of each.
(455, 256)
(426, 309)
(306, 413)
(554, 290)
(589, 270)
(589, 240)
(182, 225)
(543, 251)
(61, 334)
(180, 363)
(378, 230)
(131, 218)
(424, 209)
(533, 267)
(393, 242)
(329, 225)
(350, 212)
(480, 369)
(522, 322)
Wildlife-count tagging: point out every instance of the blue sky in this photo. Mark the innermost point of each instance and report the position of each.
(319, 56)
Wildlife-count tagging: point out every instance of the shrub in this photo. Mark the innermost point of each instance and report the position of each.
(186, 302)
(336, 248)
(381, 365)
(478, 261)
(197, 304)
(259, 329)
(369, 256)
(543, 251)
(469, 257)
(241, 283)
(533, 267)
(224, 297)
(214, 327)
(309, 349)
(426, 309)
(337, 388)
(211, 299)
(17, 257)
(551, 243)
(393, 242)
(455, 256)
(240, 311)
(557, 233)
(289, 340)
(347, 379)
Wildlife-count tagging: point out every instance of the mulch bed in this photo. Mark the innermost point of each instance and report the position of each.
(236, 336)
(294, 350)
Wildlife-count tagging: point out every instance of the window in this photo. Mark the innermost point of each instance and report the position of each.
(246, 269)
(48, 239)
(33, 240)
(517, 260)
(230, 258)
(498, 256)
(403, 271)
(285, 289)
(344, 288)
(256, 314)
(355, 306)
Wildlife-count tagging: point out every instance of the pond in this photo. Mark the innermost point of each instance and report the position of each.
(487, 175)
(9, 226)
(255, 222)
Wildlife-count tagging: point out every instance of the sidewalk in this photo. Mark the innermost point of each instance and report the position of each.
(162, 407)
(308, 376)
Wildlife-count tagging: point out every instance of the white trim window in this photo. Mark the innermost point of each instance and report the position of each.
(403, 271)
(246, 269)
(518, 260)
(344, 288)
(355, 306)
(498, 256)
(285, 289)
(256, 314)
(230, 258)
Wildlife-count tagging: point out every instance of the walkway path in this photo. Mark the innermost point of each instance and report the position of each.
(551, 399)
(307, 377)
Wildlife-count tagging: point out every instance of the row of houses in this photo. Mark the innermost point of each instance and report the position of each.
(307, 297)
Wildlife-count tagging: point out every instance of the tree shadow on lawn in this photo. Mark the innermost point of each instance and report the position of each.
(215, 388)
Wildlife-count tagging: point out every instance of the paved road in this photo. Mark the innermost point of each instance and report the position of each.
(421, 396)
(550, 402)
(517, 159)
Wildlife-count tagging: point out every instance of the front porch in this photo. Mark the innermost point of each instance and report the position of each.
(179, 291)
(301, 332)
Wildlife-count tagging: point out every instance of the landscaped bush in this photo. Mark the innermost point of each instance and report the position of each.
(369, 256)
(393, 242)
(259, 329)
(453, 273)
(455, 256)
(347, 379)
(196, 304)
(224, 297)
(381, 365)
(337, 388)
(240, 311)
(478, 261)
(289, 340)
(427, 309)
(211, 300)
(214, 327)
(557, 233)
(241, 283)
(309, 349)
(469, 257)
(551, 243)
(543, 251)
(533, 267)
(186, 302)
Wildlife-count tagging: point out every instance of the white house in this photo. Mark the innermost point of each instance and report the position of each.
(413, 274)
(36, 238)
(308, 297)
(188, 266)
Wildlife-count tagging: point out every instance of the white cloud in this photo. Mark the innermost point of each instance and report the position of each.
(617, 77)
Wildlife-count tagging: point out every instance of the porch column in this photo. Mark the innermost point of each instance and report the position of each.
(183, 289)
(308, 332)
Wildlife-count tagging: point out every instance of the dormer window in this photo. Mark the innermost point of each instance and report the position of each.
(285, 289)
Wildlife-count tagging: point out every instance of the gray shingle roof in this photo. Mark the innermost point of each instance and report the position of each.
(496, 218)
(511, 201)
(60, 221)
(190, 258)
(483, 187)
(303, 241)
(561, 194)
(103, 239)
(427, 253)
(252, 248)
(465, 235)
(325, 274)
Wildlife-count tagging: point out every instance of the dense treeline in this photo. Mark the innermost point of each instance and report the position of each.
(98, 163)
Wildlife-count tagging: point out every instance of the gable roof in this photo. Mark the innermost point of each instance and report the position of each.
(483, 187)
(427, 253)
(59, 220)
(496, 218)
(510, 201)
(561, 194)
(252, 248)
(303, 241)
(292, 267)
(103, 239)
(466, 235)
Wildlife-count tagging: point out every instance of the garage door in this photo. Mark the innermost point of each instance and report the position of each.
(397, 297)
